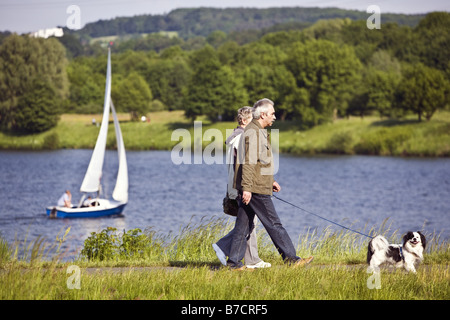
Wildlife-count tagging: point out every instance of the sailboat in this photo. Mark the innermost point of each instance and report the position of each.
(91, 183)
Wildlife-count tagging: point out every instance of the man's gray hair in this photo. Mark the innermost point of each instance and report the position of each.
(261, 106)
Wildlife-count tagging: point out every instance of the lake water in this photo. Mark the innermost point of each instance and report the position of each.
(414, 194)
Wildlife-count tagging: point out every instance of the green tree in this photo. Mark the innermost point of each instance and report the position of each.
(380, 92)
(301, 109)
(327, 29)
(383, 77)
(262, 68)
(87, 89)
(216, 38)
(328, 72)
(230, 96)
(23, 60)
(275, 82)
(423, 91)
(363, 40)
(433, 40)
(258, 82)
(167, 78)
(130, 61)
(377, 90)
(284, 39)
(286, 89)
(37, 109)
(229, 53)
(72, 44)
(262, 53)
(132, 95)
(213, 90)
(399, 41)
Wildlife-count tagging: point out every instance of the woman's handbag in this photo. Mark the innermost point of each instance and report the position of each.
(230, 206)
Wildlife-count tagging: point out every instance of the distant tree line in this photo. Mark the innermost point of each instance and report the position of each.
(192, 22)
(314, 73)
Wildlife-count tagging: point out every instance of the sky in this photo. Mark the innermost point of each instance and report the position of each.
(23, 16)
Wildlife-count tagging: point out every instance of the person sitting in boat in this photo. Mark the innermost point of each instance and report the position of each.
(65, 200)
(87, 202)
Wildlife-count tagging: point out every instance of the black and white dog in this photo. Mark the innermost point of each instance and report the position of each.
(407, 255)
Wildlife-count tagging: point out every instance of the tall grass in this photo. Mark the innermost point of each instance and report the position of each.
(202, 283)
(5, 252)
(189, 269)
(31, 253)
(192, 246)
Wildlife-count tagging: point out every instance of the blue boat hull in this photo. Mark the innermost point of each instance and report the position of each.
(91, 212)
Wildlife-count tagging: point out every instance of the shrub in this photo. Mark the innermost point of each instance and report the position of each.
(133, 243)
(341, 143)
(108, 245)
(51, 141)
(383, 142)
(101, 246)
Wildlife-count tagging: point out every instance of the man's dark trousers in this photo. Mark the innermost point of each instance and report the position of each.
(262, 206)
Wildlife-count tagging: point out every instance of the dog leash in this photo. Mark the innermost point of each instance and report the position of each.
(340, 225)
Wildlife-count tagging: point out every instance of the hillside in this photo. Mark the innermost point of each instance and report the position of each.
(316, 74)
(202, 21)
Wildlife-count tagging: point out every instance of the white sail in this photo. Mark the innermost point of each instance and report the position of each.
(120, 192)
(91, 182)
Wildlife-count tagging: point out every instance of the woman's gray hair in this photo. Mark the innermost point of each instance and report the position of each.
(243, 114)
(261, 106)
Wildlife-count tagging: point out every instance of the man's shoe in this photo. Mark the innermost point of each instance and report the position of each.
(258, 265)
(219, 253)
(303, 262)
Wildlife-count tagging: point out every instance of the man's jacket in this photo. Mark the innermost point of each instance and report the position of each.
(254, 165)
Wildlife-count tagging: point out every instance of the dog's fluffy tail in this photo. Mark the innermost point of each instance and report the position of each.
(379, 243)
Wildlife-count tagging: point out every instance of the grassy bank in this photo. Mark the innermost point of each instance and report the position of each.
(372, 136)
(368, 136)
(276, 283)
(338, 271)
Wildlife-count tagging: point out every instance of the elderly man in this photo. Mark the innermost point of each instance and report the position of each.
(255, 182)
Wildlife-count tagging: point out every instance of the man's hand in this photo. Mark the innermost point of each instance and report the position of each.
(276, 187)
(246, 197)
